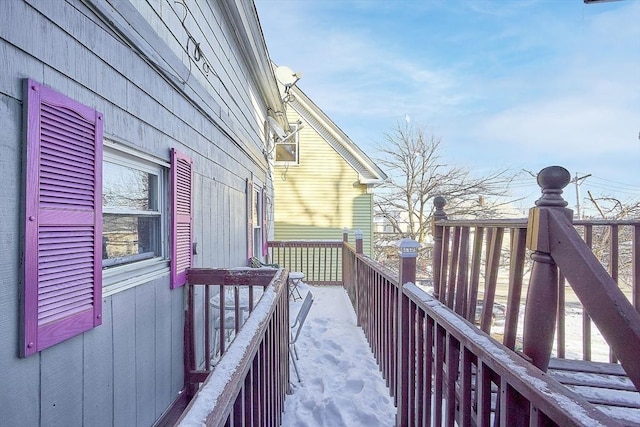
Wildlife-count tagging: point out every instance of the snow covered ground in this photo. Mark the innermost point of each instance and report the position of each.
(341, 383)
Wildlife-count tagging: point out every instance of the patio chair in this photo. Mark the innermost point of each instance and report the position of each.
(256, 263)
(297, 325)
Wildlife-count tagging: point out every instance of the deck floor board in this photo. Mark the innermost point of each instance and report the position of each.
(603, 384)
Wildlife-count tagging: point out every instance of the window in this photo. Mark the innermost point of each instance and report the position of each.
(134, 209)
(287, 150)
(256, 219)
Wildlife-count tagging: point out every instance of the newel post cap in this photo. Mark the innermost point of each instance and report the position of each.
(408, 248)
(552, 180)
(439, 202)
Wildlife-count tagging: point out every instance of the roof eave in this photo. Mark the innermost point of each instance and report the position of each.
(243, 17)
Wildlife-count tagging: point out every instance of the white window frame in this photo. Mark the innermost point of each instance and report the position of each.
(120, 277)
(292, 140)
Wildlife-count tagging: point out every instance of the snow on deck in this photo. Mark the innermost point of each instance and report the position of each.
(341, 383)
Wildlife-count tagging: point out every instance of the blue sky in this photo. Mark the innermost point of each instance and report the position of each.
(521, 84)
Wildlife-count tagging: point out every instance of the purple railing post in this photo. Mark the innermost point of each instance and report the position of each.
(542, 296)
(345, 235)
(438, 215)
(408, 254)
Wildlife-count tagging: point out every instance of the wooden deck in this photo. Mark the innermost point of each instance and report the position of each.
(604, 385)
(444, 369)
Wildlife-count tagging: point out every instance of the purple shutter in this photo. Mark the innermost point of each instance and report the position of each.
(265, 248)
(63, 219)
(181, 217)
(250, 208)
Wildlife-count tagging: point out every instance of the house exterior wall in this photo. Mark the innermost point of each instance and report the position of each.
(153, 98)
(319, 197)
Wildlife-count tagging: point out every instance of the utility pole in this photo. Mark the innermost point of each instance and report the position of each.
(578, 181)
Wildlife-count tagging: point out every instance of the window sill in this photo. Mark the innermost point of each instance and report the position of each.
(118, 279)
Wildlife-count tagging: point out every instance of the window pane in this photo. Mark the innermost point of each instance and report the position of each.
(257, 209)
(128, 188)
(286, 153)
(129, 238)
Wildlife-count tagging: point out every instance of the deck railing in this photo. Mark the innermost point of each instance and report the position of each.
(319, 260)
(485, 264)
(246, 386)
(440, 368)
(496, 254)
(430, 358)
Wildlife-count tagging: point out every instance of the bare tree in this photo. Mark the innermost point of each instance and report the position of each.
(412, 158)
(611, 208)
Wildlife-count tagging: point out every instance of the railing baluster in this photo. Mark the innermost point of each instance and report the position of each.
(491, 278)
(429, 368)
(560, 328)
(462, 284)
(586, 320)
(420, 368)
(444, 264)
(439, 373)
(613, 267)
(453, 270)
(476, 264)
(452, 355)
(466, 403)
(635, 267)
(516, 269)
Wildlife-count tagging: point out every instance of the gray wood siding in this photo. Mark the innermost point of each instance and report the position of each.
(128, 370)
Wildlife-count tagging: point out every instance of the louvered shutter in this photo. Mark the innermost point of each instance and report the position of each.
(181, 217)
(265, 248)
(250, 208)
(63, 219)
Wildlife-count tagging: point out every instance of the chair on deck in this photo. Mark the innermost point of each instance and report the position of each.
(256, 263)
(297, 325)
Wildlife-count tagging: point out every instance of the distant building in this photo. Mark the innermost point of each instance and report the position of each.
(322, 181)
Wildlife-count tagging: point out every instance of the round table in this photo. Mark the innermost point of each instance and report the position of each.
(295, 277)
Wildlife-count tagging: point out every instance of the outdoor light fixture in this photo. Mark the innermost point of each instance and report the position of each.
(409, 248)
(598, 1)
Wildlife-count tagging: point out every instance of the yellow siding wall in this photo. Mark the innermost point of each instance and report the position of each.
(316, 199)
